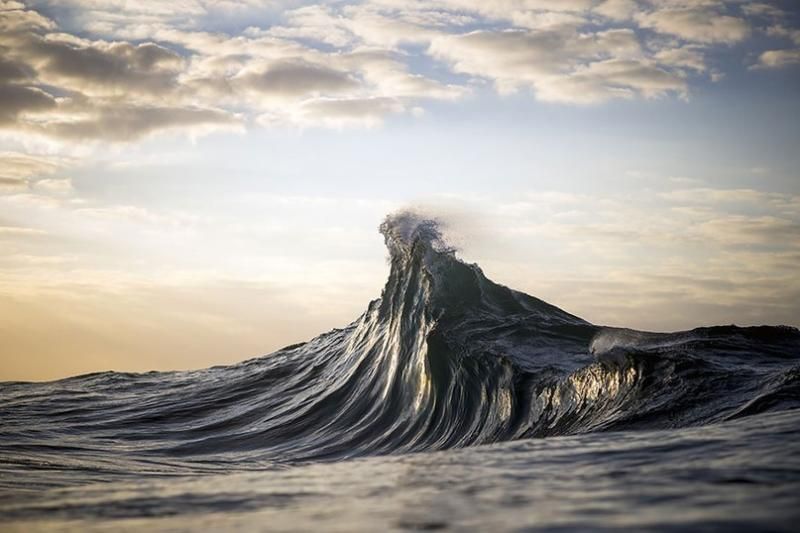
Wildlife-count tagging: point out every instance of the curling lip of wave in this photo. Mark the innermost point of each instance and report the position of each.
(444, 358)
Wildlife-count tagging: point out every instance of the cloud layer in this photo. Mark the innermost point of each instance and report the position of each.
(119, 71)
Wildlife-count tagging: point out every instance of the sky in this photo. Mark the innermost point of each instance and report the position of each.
(198, 182)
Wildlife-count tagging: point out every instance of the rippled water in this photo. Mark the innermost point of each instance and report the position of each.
(452, 402)
(736, 475)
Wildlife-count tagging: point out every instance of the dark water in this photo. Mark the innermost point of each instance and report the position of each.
(452, 402)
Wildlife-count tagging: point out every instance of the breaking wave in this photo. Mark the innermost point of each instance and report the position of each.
(444, 358)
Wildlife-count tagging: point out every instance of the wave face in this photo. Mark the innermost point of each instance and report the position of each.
(444, 359)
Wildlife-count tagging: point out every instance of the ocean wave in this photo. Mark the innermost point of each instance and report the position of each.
(445, 358)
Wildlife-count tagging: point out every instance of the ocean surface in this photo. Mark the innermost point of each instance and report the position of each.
(451, 403)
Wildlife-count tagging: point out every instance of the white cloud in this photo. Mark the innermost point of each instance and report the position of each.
(779, 58)
(58, 186)
(21, 172)
(688, 57)
(617, 9)
(697, 24)
(23, 166)
(346, 112)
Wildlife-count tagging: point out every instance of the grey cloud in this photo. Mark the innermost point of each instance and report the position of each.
(291, 78)
(105, 67)
(628, 73)
(16, 100)
(126, 123)
(12, 183)
(14, 71)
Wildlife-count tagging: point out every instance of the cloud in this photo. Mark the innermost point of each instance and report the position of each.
(706, 195)
(100, 68)
(759, 9)
(696, 24)
(766, 231)
(774, 59)
(14, 232)
(560, 65)
(126, 123)
(15, 18)
(16, 101)
(292, 79)
(57, 186)
(358, 111)
(779, 58)
(617, 9)
(689, 57)
(18, 168)
(12, 184)
(14, 71)
(68, 87)
(603, 80)
(62, 86)
(783, 32)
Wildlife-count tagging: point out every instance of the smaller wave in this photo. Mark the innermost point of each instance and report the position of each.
(614, 345)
